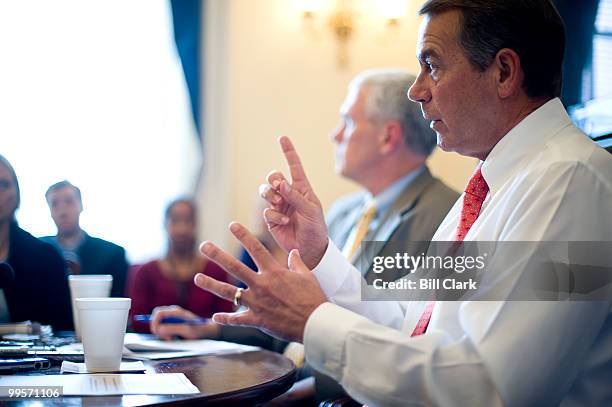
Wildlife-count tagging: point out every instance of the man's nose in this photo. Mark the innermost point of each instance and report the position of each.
(418, 92)
(337, 134)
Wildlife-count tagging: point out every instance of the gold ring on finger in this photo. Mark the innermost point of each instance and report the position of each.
(238, 296)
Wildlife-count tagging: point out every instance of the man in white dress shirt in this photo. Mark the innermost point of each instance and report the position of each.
(489, 80)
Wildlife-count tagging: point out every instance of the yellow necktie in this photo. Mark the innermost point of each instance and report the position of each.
(359, 232)
(295, 351)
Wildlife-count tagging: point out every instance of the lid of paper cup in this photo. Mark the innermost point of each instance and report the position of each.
(90, 277)
(103, 303)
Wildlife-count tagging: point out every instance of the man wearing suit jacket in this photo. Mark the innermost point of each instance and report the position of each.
(83, 254)
(382, 143)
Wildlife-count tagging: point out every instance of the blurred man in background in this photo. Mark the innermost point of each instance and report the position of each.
(83, 254)
(381, 143)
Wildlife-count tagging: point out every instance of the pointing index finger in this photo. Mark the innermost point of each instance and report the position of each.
(293, 160)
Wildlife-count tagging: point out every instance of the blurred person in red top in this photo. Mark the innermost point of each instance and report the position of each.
(169, 281)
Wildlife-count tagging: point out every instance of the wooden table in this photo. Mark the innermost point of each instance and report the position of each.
(234, 379)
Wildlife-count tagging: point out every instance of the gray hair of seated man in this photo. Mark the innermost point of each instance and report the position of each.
(387, 100)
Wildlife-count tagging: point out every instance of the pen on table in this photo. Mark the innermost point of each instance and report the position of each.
(172, 320)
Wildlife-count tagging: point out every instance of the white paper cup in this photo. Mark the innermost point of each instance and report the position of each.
(87, 286)
(103, 323)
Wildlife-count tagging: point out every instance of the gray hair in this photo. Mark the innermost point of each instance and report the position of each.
(387, 100)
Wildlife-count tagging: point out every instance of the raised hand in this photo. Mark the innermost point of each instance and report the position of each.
(279, 299)
(295, 216)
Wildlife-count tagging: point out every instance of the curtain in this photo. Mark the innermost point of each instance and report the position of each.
(186, 17)
(579, 18)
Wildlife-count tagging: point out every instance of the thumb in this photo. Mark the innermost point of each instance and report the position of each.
(295, 262)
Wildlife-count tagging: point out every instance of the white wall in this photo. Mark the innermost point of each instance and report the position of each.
(265, 75)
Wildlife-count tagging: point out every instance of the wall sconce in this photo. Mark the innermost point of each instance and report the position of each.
(342, 16)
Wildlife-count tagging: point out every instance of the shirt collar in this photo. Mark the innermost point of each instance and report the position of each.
(73, 247)
(503, 161)
(385, 199)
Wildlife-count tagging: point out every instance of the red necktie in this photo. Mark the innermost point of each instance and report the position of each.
(475, 194)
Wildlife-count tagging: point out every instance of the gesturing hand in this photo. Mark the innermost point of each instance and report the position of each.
(279, 299)
(295, 216)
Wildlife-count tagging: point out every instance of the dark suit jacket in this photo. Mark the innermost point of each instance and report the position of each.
(99, 256)
(39, 291)
(410, 224)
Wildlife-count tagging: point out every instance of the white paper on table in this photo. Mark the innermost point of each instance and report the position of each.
(108, 384)
(72, 367)
(158, 355)
(137, 347)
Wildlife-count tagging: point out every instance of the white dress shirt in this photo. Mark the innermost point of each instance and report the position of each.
(548, 182)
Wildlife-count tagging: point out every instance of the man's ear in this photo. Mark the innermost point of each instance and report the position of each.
(392, 137)
(508, 72)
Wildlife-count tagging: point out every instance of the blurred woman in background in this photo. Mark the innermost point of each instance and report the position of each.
(37, 288)
(169, 281)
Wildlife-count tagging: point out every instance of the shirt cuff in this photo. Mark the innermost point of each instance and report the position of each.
(325, 336)
(332, 270)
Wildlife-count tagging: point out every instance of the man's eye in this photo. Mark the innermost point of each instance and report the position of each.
(4, 184)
